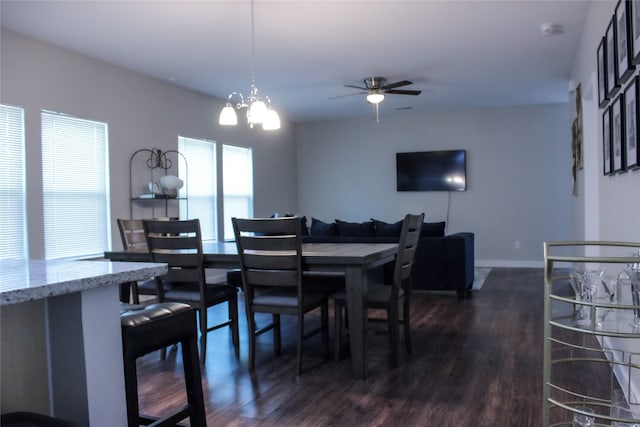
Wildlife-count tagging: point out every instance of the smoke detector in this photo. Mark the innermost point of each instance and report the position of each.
(549, 30)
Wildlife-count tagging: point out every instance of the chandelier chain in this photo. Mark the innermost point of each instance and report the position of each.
(258, 107)
(253, 48)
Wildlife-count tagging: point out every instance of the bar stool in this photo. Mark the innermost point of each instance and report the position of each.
(152, 328)
(30, 419)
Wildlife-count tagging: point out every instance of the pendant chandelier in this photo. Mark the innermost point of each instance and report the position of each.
(258, 107)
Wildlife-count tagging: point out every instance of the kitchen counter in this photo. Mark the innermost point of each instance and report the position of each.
(61, 349)
(28, 280)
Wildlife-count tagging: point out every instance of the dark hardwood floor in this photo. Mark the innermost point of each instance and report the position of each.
(476, 363)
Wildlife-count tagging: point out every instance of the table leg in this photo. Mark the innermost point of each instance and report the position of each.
(356, 286)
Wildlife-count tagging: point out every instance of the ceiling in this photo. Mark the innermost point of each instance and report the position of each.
(459, 53)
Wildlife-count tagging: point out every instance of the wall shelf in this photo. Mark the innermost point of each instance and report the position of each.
(146, 200)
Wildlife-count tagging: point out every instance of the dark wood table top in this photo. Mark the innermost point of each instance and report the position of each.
(225, 254)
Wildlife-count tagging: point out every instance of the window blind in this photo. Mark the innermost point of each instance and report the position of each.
(201, 167)
(237, 184)
(75, 186)
(13, 229)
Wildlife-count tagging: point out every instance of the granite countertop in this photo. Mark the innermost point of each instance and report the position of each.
(29, 279)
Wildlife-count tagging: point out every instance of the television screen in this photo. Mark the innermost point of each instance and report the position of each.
(432, 171)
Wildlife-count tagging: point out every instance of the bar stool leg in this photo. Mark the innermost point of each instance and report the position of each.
(192, 376)
(131, 391)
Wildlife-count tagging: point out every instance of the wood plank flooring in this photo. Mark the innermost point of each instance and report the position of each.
(476, 363)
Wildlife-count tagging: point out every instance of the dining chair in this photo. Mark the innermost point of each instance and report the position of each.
(132, 236)
(389, 296)
(270, 252)
(179, 244)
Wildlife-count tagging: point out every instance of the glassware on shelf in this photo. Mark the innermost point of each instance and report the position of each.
(612, 303)
(587, 285)
(585, 419)
(621, 409)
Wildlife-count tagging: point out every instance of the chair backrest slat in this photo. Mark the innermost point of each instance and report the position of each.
(132, 233)
(271, 262)
(269, 243)
(179, 244)
(407, 245)
(173, 242)
(272, 278)
(270, 252)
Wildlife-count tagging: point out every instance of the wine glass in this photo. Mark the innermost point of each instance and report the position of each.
(585, 419)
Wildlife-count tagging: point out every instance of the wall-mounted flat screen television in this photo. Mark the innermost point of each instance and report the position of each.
(432, 171)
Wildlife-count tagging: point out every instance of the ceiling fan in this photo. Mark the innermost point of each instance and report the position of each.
(375, 88)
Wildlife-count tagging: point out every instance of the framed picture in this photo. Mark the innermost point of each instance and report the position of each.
(612, 64)
(623, 45)
(634, 13)
(631, 139)
(606, 141)
(603, 96)
(617, 130)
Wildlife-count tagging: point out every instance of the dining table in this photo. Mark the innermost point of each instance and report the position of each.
(354, 260)
(61, 351)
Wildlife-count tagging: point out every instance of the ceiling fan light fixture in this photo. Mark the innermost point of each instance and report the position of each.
(375, 97)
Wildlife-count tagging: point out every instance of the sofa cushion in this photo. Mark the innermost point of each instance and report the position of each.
(303, 222)
(354, 228)
(433, 229)
(320, 228)
(384, 229)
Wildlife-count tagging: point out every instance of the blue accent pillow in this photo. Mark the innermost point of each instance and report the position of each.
(319, 228)
(433, 229)
(355, 228)
(384, 229)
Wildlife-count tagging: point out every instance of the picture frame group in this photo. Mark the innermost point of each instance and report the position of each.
(618, 54)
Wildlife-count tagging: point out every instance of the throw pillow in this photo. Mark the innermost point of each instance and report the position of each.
(304, 227)
(354, 228)
(319, 228)
(433, 229)
(384, 229)
(303, 221)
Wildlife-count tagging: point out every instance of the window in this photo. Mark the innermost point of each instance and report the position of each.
(13, 229)
(75, 185)
(237, 181)
(201, 167)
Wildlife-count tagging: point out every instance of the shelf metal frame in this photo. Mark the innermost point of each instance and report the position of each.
(158, 163)
(552, 263)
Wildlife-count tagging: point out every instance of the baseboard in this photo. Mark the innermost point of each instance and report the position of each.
(509, 263)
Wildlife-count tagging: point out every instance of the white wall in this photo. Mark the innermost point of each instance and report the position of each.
(611, 208)
(518, 174)
(141, 113)
(614, 212)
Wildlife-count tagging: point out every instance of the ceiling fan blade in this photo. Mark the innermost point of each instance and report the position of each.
(344, 96)
(356, 87)
(397, 84)
(404, 92)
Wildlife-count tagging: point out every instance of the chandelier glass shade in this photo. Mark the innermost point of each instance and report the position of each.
(258, 108)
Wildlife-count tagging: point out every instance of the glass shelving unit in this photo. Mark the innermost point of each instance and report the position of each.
(585, 336)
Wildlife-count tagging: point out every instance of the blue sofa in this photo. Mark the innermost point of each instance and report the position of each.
(442, 262)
